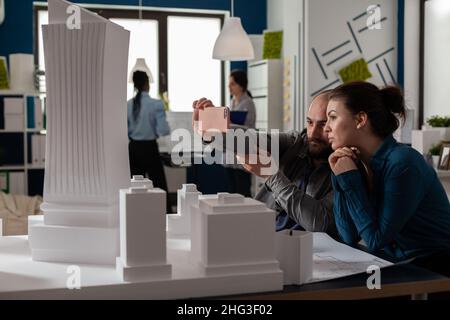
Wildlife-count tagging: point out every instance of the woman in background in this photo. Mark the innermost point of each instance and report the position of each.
(241, 97)
(384, 191)
(240, 181)
(146, 122)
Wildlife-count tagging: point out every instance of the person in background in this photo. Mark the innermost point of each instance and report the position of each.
(146, 122)
(384, 191)
(241, 97)
(239, 180)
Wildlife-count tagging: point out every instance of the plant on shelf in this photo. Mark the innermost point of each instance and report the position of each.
(439, 122)
(435, 150)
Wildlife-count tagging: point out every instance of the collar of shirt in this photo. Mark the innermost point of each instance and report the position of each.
(379, 158)
(303, 152)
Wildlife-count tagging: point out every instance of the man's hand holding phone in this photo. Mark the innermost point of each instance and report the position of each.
(207, 119)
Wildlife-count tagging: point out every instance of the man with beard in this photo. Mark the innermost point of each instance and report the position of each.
(300, 191)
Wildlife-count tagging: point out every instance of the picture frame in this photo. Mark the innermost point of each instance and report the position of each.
(444, 163)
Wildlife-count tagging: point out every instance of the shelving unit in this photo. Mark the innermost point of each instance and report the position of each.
(24, 166)
(265, 78)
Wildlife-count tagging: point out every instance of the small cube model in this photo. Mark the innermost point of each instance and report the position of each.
(140, 181)
(294, 250)
(232, 234)
(143, 248)
(180, 224)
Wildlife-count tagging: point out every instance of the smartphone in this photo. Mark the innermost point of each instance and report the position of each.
(213, 120)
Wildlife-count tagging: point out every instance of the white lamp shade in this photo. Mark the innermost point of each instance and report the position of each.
(141, 66)
(233, 43)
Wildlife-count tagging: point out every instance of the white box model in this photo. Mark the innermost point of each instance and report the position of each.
(295, 253)
(143, 249)
(180, 223)
(86, 144)
(140, 181)
(233, 234)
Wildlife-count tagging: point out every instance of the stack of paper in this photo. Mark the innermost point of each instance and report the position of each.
(332, 259)
(13, 114)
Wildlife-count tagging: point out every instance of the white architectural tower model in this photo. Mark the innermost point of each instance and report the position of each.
(87, 155)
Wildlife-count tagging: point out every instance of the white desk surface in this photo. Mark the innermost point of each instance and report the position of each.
(20, 277)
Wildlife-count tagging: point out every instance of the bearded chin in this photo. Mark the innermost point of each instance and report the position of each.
(320, 153)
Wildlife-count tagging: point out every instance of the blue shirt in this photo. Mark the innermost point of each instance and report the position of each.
(151, 122)
(407, 214)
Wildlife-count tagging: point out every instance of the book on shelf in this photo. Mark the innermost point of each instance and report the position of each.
(4, 181)
(38, 150)
(35, 115)
(13, 182)
(13, 114)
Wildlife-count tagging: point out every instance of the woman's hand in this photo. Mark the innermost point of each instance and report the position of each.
(198, 105)
(343, 160)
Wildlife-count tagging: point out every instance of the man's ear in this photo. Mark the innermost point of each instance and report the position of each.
(361, 120)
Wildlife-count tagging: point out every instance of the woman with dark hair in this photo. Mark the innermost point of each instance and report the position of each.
(239, 180)
(241, 97)
(385, 192)
(146, 122)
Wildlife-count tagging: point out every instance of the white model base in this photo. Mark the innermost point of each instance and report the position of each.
(143, 273)
(263, 267)
(74, 244)
(23, 278)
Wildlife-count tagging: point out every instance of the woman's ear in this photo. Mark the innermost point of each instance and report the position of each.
(361, 120)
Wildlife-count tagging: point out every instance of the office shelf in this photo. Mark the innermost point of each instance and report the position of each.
(25, 140)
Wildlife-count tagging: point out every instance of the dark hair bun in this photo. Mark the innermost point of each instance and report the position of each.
(393, 100)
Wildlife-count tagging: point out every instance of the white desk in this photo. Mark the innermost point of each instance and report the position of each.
(22, 278)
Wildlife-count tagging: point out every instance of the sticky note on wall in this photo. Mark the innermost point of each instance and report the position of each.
(4, 81)
(357, 70)
(273, 42)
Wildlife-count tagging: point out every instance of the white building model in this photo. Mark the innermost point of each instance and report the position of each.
(143, 247)
(87, 146)
(233, 234)
(180, 224)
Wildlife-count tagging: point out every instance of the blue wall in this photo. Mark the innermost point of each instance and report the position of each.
(16, 33)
